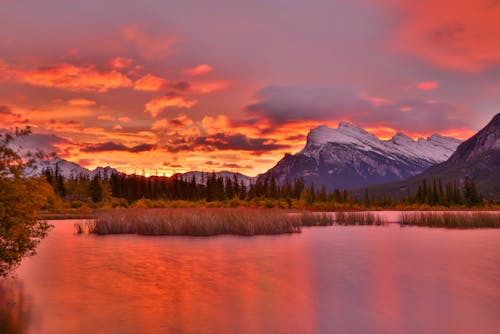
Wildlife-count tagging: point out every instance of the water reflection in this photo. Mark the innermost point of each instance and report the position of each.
(14, 307)
(328, 279)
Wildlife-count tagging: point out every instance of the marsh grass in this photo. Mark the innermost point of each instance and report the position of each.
(451, 219)
(357, 218)
(194, 222)
(316, 219)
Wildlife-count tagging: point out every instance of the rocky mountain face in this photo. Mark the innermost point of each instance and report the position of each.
(349, 157)
(477, 158)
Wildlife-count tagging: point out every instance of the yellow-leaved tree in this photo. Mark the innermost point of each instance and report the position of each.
(21, 199)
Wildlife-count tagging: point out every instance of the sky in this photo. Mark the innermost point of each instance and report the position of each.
(172, 86)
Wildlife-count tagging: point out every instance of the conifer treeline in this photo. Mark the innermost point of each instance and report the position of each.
(217, 188)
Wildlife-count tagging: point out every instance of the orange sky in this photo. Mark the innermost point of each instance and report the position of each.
(227, 86)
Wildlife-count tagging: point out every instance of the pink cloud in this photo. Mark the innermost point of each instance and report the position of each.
(150, 82)
(150, 47)
(81, 102)
(199, 70)
(157, 104)
(453, 34)
(428, 85)
(75, 78)
(120, 62)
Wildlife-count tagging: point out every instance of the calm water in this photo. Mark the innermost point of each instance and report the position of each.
(327, 279)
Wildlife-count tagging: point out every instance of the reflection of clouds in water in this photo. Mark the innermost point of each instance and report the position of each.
(15, 309)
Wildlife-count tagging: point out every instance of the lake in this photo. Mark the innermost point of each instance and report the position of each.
(342, 279)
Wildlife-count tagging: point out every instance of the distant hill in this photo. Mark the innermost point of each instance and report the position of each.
(350, 157)
(70, 169)
(477, 158)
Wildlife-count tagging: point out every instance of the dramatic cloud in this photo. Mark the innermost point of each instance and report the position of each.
(454, 34)
(112, 146)
(292, 103)
(157, 104)
(427, 85)
(150, 82)
(199, 70)
(75, 78)
(237, 142)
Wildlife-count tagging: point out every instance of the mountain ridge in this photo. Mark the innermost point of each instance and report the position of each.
(349, 156)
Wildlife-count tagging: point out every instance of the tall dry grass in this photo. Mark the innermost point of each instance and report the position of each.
(357, 218)
(451, 219)
(194, 222)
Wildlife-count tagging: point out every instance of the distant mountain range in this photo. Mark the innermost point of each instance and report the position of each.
(478, 158)
(350, 157)
(70, 169)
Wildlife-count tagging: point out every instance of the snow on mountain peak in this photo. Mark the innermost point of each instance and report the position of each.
(434, 149)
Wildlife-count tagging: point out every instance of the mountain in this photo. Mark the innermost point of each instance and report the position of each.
(350, 157)
(201, 177)
(69, 169)
(477, 158)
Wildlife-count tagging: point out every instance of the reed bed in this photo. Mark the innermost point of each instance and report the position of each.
(451, 219)
(357, 218)
(316, 219)
(194, 222)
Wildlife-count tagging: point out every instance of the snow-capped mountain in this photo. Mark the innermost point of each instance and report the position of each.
(350, 157)
(201, 177)
(477, 158)
(69, 169)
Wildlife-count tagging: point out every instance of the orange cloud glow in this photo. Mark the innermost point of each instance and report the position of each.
(81, 102)
(120, 62)
(455, 34)
(74, 78)
(106, 118)
(199, 70)
(150, 82)
(157, 104)
(427, 85)
(208, 87)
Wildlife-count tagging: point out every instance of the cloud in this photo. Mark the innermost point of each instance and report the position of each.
(428, 85)
(106, 118)
(207, 87)
(81, 102)
(150, 46)
(464, 39)
(75, 78)
(124, 119)
(10, 118)
(286, 105)
(112, 146)
(46, 143)
(157, 104)
(233, 165)
(199, 70)
(307, 102)
(237, 142)
(150, 82)
(119, 63)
